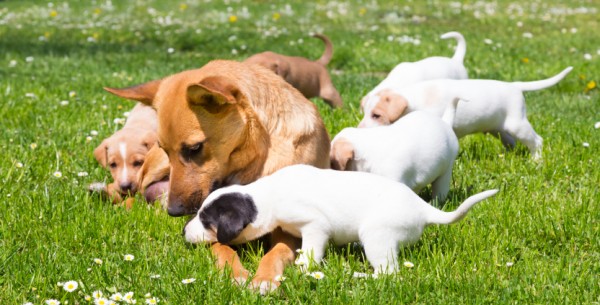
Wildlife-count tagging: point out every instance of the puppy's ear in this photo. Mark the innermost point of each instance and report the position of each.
(100, 153)
(229, 214)
(396, 105)
(150, 138)
(143, 93)
(213, 94)
(342, 152)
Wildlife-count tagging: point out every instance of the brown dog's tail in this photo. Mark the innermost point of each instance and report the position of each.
(326, 57)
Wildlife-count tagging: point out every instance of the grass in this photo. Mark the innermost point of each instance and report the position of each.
(537, 241)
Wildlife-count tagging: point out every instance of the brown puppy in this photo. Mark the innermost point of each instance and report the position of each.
(232, 123)
(124, 152)
(309, 77)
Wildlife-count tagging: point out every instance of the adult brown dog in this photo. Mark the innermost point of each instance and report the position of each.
(228, 123)
(309, 77)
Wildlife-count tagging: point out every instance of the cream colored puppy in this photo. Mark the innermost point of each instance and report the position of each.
(493, 106)
(320, 205)
(435, 67)
(417, 150)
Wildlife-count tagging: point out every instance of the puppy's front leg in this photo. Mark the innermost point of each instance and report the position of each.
(274, 262)
(227, 256)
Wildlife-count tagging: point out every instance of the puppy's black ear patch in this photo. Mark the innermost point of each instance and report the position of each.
(229, 214)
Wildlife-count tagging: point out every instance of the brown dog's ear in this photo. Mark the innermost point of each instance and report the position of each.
(100, 153)
(342, 152)
(213, 94)
(143, 93)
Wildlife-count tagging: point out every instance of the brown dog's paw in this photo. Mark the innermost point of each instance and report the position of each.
(264, 286)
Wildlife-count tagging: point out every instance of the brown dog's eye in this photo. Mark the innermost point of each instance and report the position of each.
(138, 163)
(375, 116)
(189, 152)
(113, 165)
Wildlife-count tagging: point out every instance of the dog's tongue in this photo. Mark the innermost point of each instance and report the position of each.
(157, 191)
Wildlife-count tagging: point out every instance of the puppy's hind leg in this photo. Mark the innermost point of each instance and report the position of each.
(328, 92)
(440, 187)
(381, 249)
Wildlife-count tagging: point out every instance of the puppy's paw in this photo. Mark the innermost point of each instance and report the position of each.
(239, 280)
(264, 286)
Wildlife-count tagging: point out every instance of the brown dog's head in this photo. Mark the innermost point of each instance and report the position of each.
(123, 154)
(204, 129)
(384, 108)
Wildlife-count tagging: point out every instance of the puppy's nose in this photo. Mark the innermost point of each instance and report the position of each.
(126, 187)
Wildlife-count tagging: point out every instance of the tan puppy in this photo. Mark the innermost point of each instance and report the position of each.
(310, 77)
(124, 152)
(232, 123)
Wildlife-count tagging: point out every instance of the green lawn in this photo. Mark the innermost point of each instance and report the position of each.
(537, 241)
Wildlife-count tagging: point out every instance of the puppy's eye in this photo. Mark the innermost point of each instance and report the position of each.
(113, 165)
(375, 116)
(138, 163)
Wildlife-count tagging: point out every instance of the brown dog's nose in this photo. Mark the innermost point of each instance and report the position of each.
(176, 210)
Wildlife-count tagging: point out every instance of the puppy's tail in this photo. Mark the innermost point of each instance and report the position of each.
(328, 53)
(545, 83)
(461, 47)
(450, 112)
(440, 217)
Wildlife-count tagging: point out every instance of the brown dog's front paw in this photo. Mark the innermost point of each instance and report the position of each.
(264, 286)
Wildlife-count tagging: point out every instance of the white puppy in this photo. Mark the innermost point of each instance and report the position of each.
(319, 205)
(417, 150)
(493, 106)
(436, 67)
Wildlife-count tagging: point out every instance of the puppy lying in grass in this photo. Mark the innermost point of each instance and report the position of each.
(124, 152)
(417, 150)
(320, 205)
(408, 73)
(493, 106)
(309, 77)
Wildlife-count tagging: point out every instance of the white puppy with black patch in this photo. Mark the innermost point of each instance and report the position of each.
(493, 106)
(417, 150)
(320, 205)
(435, 67)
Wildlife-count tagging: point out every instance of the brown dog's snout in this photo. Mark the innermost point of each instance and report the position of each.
(179, 206)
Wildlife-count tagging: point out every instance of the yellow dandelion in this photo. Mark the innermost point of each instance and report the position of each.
(97, 11)
(33, 145)
(232, 18)
(119, 107)
(525, 60)
(87, 298)
(581, 76)
(362, 11)
(53, 13)
(276, 16)
(591, 85)
(47, 35)
(183, 7)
